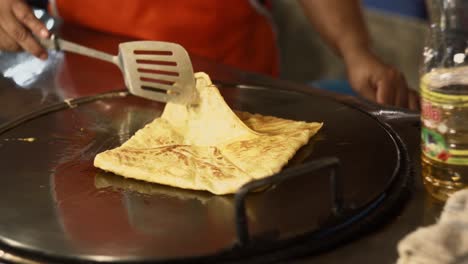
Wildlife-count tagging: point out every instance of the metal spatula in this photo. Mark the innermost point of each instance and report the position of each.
(160, 71)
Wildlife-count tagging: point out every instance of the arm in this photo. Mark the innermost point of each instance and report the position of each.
(341, 24)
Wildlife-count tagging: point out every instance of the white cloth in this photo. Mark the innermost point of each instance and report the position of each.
(445, 242)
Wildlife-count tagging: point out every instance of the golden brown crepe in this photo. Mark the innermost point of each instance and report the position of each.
(207, 146)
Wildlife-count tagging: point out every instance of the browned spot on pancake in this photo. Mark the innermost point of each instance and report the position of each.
(247, 144)
(217, 154)
(118, 156)
(180, 156)
(131, 151)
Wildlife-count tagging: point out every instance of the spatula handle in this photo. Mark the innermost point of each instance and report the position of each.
(60, 44)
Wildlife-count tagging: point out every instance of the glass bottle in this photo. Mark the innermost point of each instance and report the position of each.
(444, 99)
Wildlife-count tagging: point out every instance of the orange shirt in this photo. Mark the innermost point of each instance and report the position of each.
(230, 32)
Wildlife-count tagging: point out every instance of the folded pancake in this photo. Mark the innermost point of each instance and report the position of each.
(207, 146)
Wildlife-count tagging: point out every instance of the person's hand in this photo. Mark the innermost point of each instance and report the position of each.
(379, 82)
(17, 24)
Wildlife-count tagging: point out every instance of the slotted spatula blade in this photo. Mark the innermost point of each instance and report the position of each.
(156, 70)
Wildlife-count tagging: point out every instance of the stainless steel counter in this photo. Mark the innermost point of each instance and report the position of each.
(28, 84)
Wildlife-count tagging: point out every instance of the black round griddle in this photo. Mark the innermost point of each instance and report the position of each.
(56, 207)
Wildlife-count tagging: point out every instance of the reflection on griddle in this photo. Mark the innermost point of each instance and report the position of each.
(154, 209)
(109, 180)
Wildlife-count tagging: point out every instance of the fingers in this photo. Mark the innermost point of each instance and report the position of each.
(25, 16)
(393, 90)
(385, 92)
(17, 23)
(20, 34)
(404, 96)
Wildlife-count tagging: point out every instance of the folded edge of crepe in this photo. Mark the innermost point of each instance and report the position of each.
(207, 146)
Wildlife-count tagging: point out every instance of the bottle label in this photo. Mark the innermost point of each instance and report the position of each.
(442, 133)
(433, 141)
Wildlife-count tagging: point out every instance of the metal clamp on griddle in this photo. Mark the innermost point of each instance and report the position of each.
(332, 163)
(387, 114)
